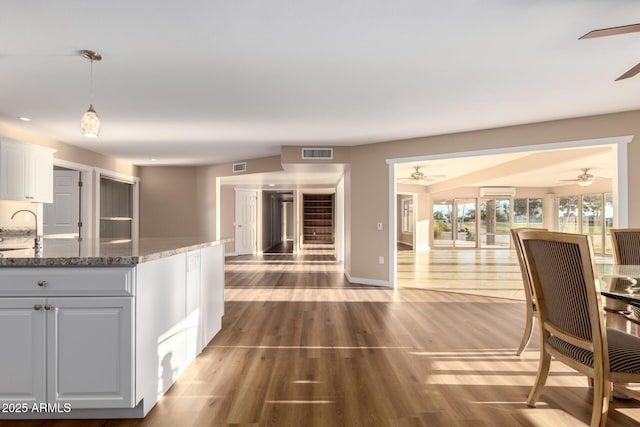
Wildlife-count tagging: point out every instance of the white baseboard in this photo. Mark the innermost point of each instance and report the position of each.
(364, 281)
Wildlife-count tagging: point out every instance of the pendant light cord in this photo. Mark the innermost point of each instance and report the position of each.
(91, 82)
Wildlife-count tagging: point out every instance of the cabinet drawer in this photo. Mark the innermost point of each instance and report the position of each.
(77, 281)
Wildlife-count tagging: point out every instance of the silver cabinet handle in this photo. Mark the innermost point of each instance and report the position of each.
(37, 307)
(42, 283)
(48, 307)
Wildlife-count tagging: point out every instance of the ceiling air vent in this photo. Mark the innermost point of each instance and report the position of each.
(239, 167)
(317, 153)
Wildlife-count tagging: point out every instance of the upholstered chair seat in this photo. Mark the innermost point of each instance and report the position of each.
(624, 352)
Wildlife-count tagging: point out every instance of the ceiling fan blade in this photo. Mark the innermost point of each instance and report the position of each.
(435, 176)
(632, 72)
(612, 31)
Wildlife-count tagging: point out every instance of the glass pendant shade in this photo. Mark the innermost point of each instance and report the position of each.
(585, 183)
(90, 123)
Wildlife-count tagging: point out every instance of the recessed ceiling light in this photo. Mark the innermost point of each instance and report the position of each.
(271, 185)
(24, 119)
(154, 160)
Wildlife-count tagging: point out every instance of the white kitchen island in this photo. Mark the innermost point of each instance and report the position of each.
(103, 329)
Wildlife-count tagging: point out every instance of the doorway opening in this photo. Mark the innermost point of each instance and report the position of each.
(278, 222)
(459, 214)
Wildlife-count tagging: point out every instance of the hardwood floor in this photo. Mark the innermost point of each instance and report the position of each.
(300, 346)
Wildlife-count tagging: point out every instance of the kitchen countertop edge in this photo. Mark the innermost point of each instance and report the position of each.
(47, 260)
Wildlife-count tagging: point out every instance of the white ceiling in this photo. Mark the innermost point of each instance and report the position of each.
(213, 81)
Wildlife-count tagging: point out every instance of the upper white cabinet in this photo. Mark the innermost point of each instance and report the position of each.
(26, 172)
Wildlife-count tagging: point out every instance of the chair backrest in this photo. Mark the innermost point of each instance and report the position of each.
(528, 289)
(626, 245)
(562, 271)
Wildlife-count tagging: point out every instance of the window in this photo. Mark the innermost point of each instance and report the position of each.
(527, 213)
(442, 223)
(568, 214)
(590, 214)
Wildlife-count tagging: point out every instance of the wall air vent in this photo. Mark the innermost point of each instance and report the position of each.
(497, 191)
(239, 167)
(317, 153)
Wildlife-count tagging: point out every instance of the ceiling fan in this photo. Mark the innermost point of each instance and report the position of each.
(418, 177)
(612, 31)
(584, 179)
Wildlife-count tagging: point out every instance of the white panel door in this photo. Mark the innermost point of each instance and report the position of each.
(63, 215)
(22, 356)
(90, 352)
(246, 236)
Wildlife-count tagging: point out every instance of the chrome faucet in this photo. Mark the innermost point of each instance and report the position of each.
(37, 242)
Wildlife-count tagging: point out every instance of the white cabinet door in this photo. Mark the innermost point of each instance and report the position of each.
(13, 171)
(212, 299)
(40, 179)
(22, 357)
(90, 352)
(160, 326)
(192, 320)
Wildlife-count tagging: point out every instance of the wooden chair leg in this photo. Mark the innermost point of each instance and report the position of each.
(541, 379)
(601, 397)
(528, 328)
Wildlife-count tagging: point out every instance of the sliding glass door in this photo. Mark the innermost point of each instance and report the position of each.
(465, 225)
(454, 223)
(443, 224)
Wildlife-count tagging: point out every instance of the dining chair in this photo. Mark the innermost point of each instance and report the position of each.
(531, 312)
(626, 245)
(571, 320)
(626, 251)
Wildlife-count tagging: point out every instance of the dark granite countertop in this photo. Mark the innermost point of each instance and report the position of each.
(70, 252)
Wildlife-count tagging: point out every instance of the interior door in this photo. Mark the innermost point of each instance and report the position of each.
(246, 224)
(63, 215)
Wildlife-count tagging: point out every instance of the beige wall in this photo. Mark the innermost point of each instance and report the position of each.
(168, 202)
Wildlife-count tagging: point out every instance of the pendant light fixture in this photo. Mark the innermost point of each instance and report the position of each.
(90, 123)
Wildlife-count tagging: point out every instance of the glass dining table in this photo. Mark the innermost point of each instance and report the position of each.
(621, 282)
